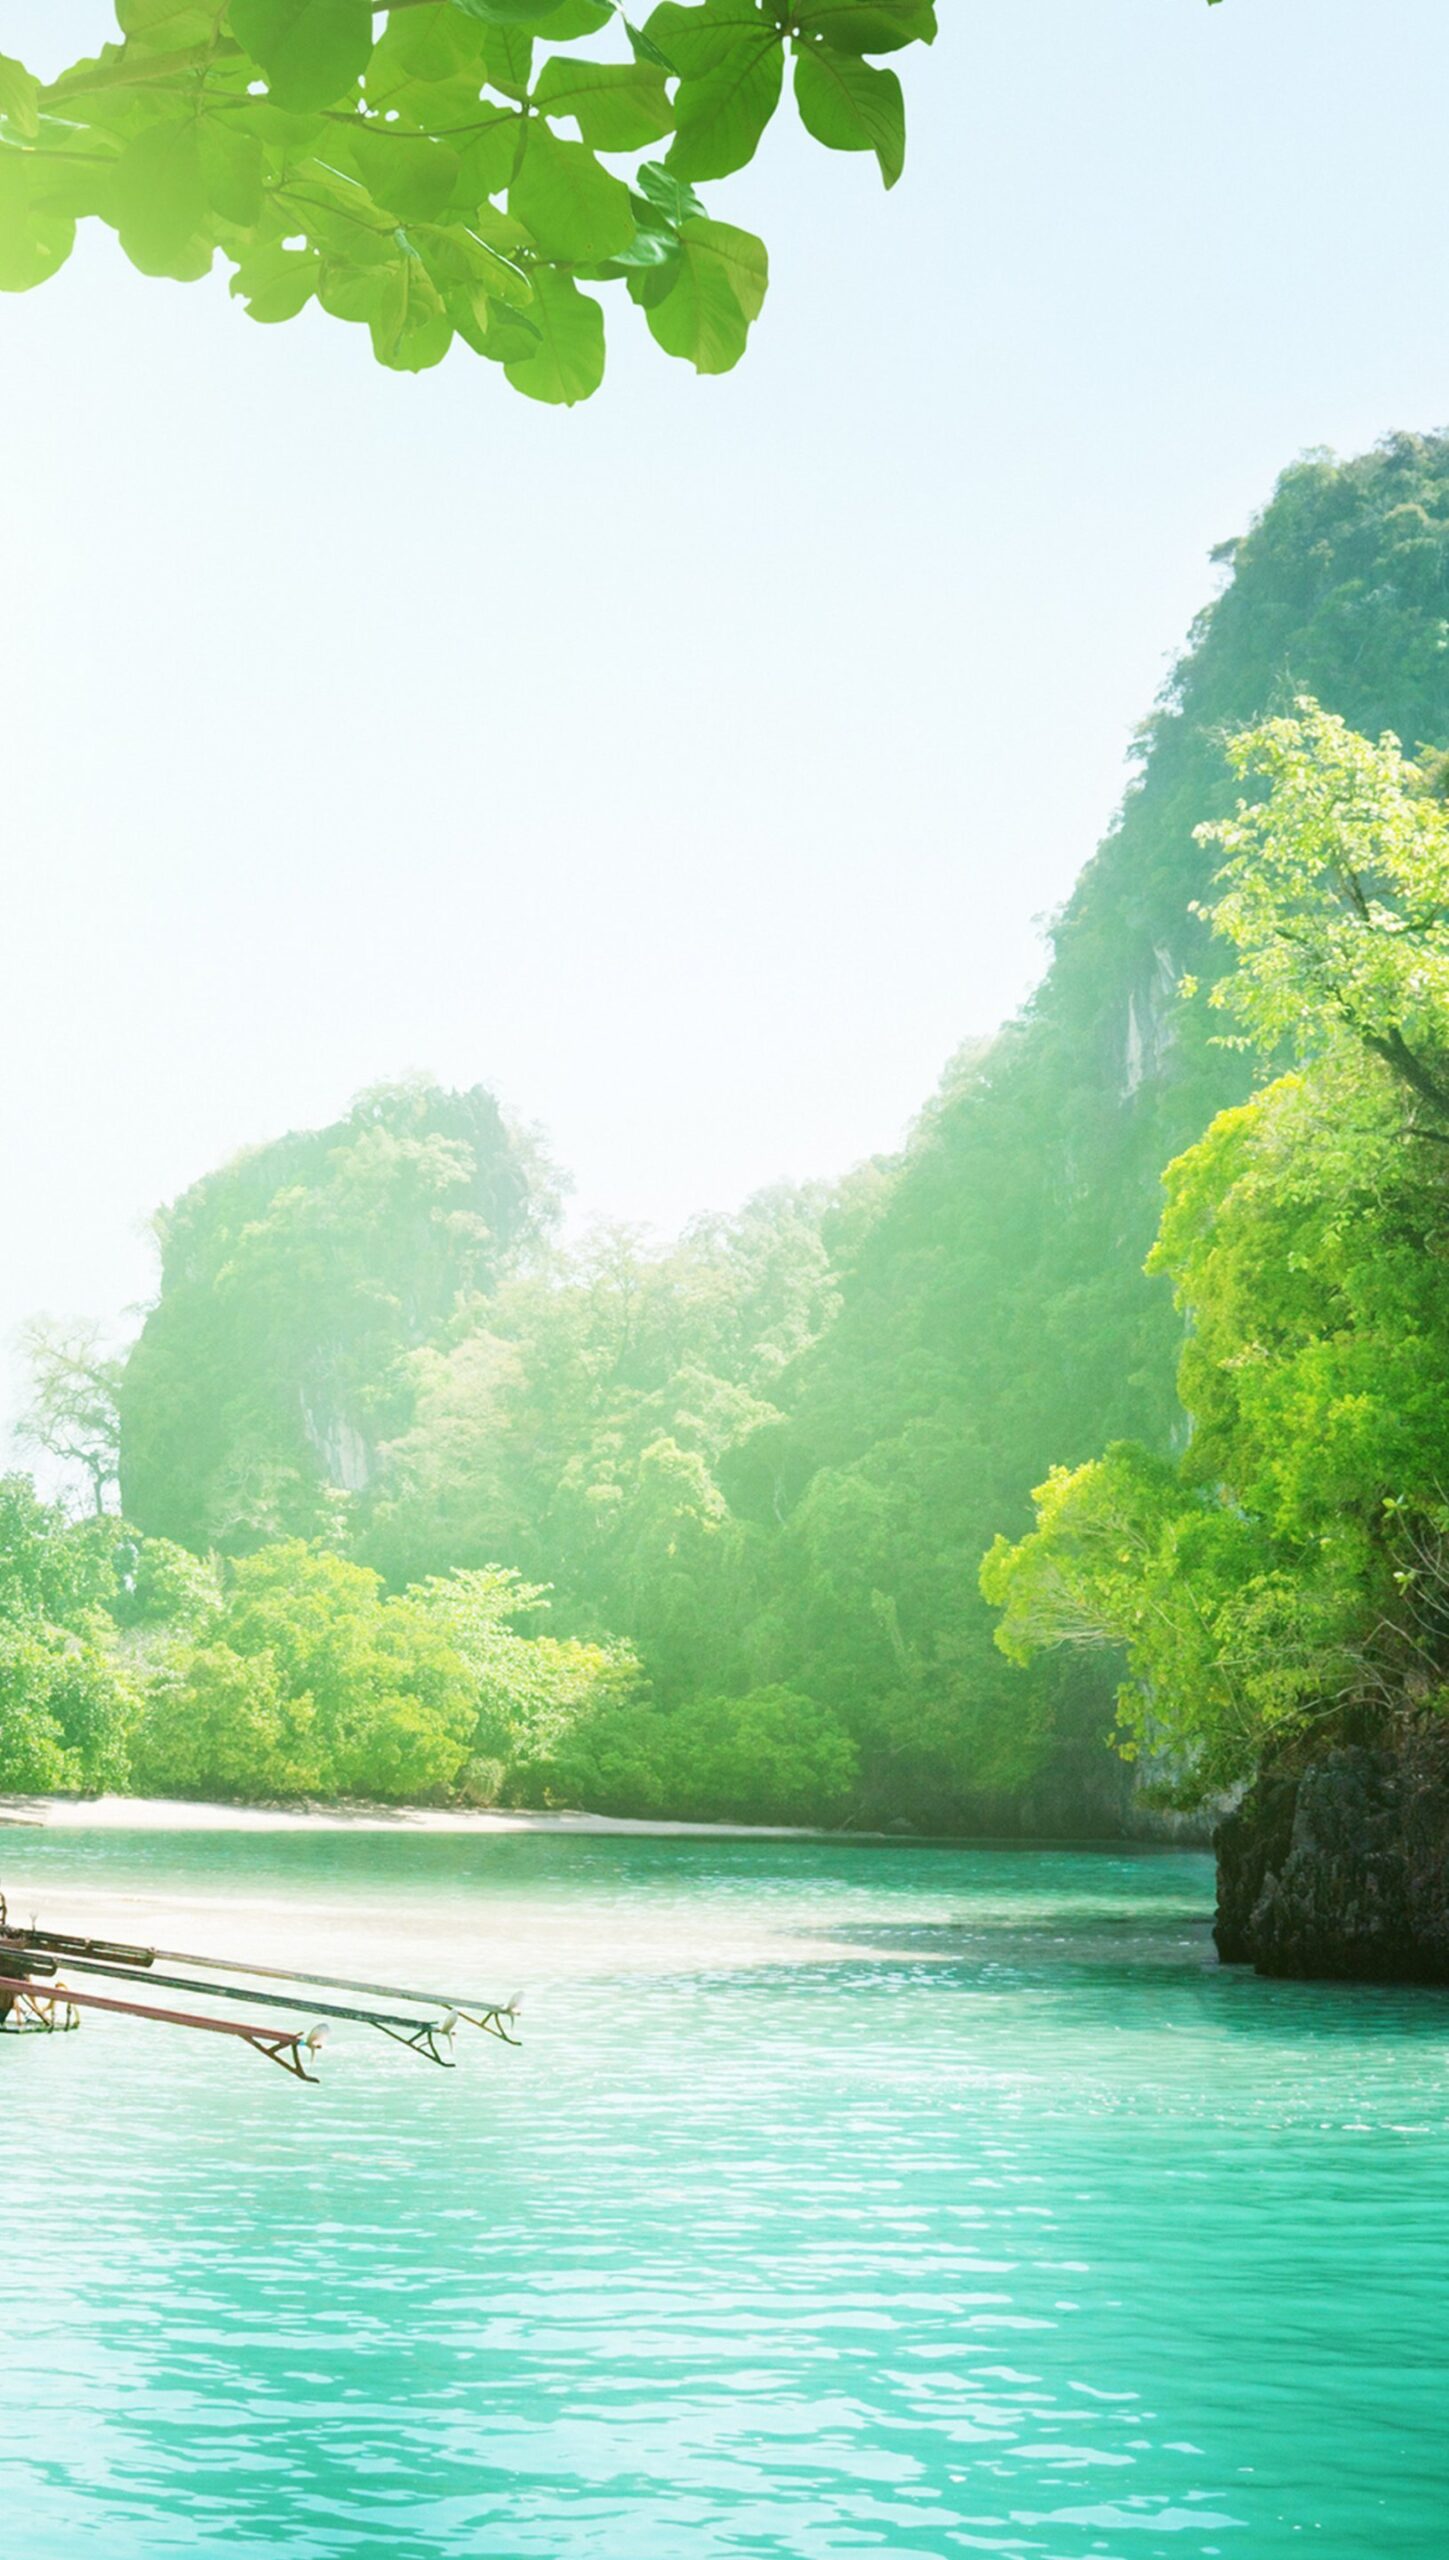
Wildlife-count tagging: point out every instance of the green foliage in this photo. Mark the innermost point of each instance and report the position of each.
(1229, 1644)
(1304, 1235)
(716, 286)
(587, 1421)
(995, 1318)
(310, 1682)
(530, 1691)
(851, 107)
(165, 1586)
(1293, 1563)
(769, 1757)
(51, 1570)
(65, 1705)
(1335, 898)
(773, 1456)
(64, 1714)
(409, 175)
(303, 1678)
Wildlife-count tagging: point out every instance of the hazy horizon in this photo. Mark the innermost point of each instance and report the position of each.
(693, 786)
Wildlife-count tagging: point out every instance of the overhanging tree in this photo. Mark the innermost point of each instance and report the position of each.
(1288, 1573)
(446, 169)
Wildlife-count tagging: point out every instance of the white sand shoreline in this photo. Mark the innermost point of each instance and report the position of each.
(164, 1813)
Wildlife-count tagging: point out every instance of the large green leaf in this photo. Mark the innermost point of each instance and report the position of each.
(405, 172)
(499, 230)
(354, 292)
(717, 292)
(574, 209)
(618, 106)
(97, 98)
(669, 195)
(720, 117)
(570, 19)
(68, 174)
(34, 240)
(492, 329)
(867, 26)
(399, 304)
(655, 243)
(167, 25)
(312, 52)
(434, 43)
(338, 216)
(231, 170)
(491, 159)
(510, 61)
(698, 40)
(160, 201)
(286, 138)
(423, 106)
(411, 330)
(456, 258)
(508, 13)
(276, 282)
(426, 106)
(568, 362)
(644, 49)
(651, 280)
(850, 106)
(19, 97)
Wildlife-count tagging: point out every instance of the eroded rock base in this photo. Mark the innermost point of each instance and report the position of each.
(1340, 1871)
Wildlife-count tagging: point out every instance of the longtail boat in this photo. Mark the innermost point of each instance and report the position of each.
(35, 2000)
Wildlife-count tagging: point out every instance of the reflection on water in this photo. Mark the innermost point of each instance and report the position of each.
(843, 2200)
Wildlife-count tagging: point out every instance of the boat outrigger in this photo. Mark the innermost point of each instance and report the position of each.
(34, 2000)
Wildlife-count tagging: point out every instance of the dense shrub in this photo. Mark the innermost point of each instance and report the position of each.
(773, 1756)
(65, 1711)
(311, 1682)
(306, 1678)
(65, 1703)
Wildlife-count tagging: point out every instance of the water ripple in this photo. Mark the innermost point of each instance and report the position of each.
(841, 2201)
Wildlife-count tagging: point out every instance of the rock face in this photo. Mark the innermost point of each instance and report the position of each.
(1341, 1870)
(295, 1280)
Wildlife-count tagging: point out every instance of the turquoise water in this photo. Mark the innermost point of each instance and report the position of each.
(841, 2201)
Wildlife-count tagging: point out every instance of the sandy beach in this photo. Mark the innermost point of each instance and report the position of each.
(163, 1813)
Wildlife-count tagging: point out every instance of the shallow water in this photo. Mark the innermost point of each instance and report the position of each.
(842, 2200)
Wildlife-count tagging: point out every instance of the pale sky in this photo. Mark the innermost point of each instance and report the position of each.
(692, 767)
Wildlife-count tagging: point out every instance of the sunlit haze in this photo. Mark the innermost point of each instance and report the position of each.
(693, 768)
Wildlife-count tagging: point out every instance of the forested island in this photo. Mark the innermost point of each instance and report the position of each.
(397, 1497)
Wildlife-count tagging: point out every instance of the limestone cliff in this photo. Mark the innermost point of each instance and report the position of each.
(293, 1282)
(996, 1319)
